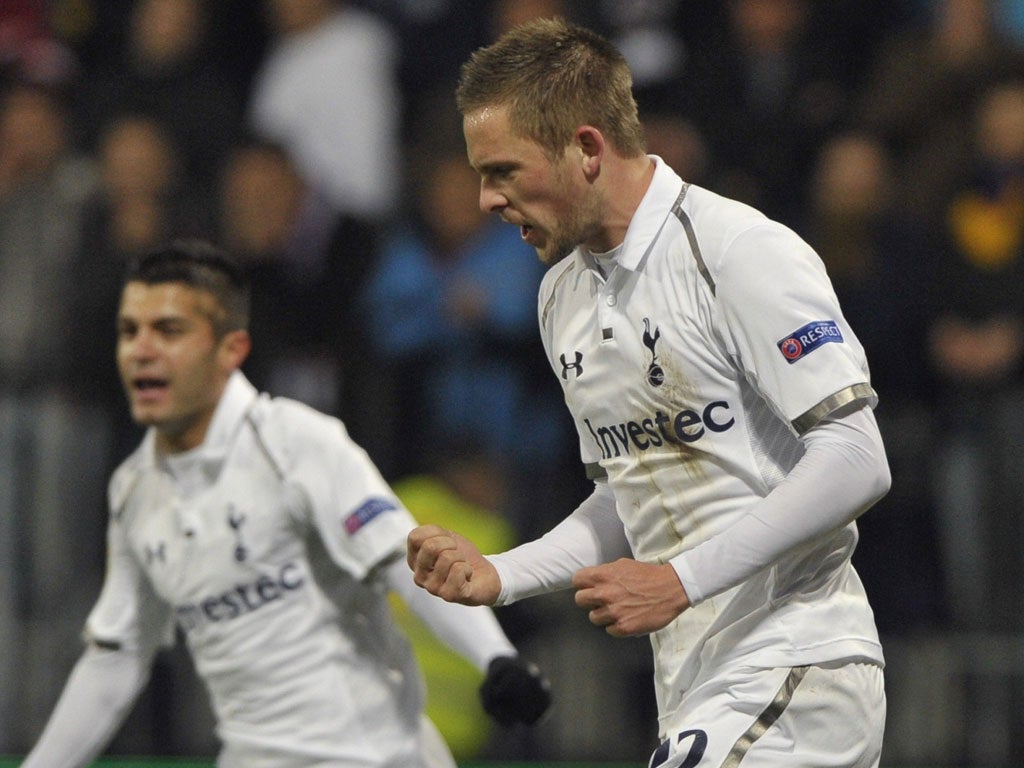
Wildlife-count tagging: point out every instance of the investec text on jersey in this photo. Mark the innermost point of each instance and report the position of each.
(687, 426)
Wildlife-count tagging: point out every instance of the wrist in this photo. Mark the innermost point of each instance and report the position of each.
(687, 581)
(505, 596)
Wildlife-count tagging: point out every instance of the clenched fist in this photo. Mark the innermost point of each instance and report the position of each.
(450, 566)
(627, 597)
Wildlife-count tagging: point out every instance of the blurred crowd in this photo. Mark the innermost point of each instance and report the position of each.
(318, 141)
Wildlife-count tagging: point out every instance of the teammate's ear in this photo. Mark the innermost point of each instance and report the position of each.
(234, 348)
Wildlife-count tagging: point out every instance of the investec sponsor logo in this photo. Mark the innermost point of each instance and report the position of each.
(243, 599)
(687, 426)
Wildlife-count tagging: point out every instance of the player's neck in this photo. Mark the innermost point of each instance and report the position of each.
(626, 183)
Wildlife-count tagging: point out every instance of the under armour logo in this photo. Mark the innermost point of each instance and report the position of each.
(655, 374)
(567, 366)
(159, 552)
(235, 521)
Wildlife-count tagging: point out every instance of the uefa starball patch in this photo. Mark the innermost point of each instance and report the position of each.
(805, 340)
(366, 511)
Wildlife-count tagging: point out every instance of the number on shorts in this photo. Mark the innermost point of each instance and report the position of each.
(669, 756)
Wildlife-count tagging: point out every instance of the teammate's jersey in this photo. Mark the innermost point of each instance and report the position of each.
(691, 370)
(294, 643)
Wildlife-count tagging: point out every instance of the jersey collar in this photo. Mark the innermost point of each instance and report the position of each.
(239, 395)
(648, 219)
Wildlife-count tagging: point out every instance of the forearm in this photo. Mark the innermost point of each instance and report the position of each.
(591, 535)
(97, 697)
(843, 472)
(471, 631)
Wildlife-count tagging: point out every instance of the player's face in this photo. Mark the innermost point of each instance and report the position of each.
(554, 206)
(172, 366)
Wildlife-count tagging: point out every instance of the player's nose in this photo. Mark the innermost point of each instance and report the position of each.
(492, 201)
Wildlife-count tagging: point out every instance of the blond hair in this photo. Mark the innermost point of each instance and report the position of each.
(553, 77)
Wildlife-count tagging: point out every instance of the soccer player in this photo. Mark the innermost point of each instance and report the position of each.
(258, 528)
(724, 412)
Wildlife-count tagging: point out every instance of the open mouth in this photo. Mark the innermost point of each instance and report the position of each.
(148, 388)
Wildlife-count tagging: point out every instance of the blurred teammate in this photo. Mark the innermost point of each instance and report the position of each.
(723, 408)
(258, 528)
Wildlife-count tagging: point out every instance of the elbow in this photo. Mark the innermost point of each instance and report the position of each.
(878, 484)
(876, 477)
(883, 481)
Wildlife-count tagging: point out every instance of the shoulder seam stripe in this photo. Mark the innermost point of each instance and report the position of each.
(261, 443)
(551, 298)
(680, 214)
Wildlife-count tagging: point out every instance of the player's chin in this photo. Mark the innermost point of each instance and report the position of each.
(144, 415)
(552, 253)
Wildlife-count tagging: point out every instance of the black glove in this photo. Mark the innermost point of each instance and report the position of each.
(515, 691)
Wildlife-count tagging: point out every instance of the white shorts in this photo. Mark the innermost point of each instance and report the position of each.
(828, 716)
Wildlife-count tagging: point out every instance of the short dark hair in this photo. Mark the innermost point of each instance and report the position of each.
(201, 265)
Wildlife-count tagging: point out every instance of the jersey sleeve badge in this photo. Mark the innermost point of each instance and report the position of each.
(805, 340)
(366, 511)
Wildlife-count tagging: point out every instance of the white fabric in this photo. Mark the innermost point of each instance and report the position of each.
(783, 724)
(433, 749)
(330, 96)
(98, 695)
(265, 546)
(842, 473)
(591, 535)
(676, 373)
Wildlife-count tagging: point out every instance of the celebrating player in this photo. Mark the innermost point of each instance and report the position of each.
(269, 538)
(724, 412)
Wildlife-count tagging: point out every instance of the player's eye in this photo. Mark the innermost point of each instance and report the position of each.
(171, 329)
(498, 173)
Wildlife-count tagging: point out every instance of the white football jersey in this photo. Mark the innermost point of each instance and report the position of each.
(690, 371)
(257, 546)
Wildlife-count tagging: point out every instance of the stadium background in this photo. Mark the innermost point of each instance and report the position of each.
(948, 613)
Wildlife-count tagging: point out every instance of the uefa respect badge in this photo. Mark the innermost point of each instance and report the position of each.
(805, 340)
(366, 511)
